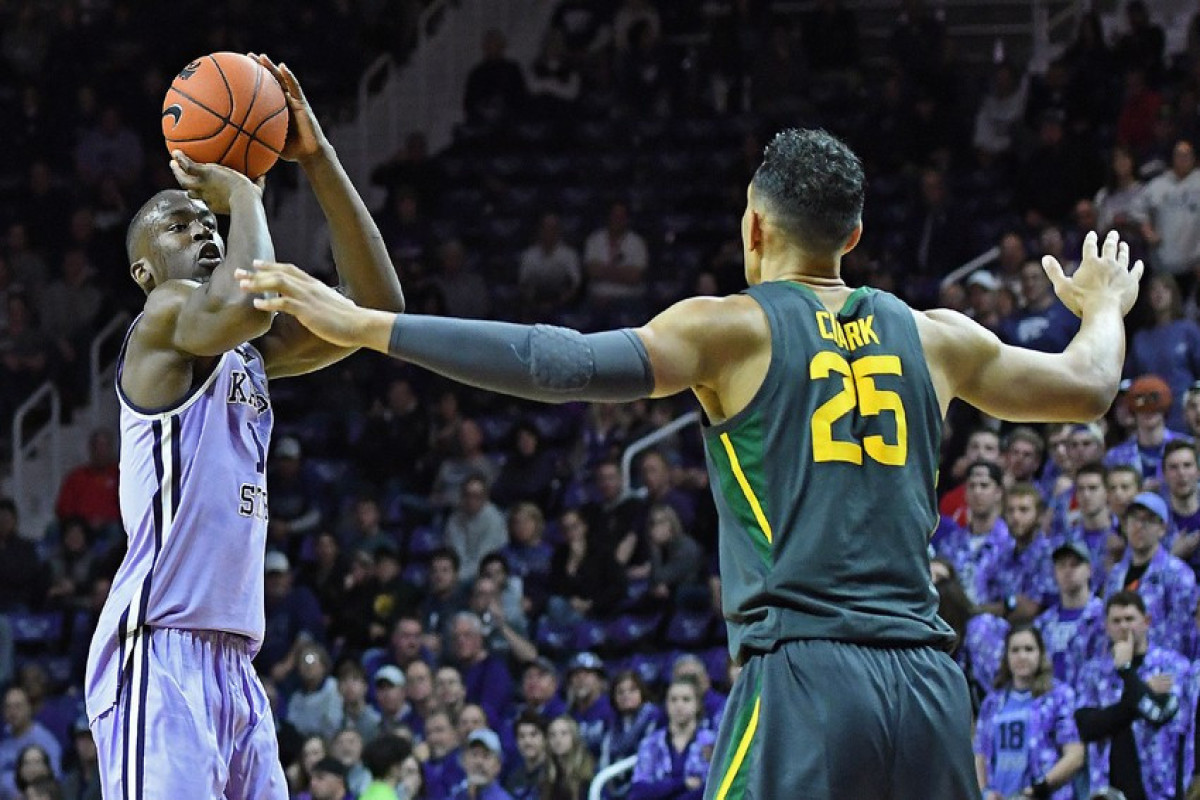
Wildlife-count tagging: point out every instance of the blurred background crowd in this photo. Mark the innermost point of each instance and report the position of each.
(462, 586)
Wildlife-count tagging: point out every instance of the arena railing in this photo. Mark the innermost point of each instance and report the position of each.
(596, 789)
(648, 441)
(101, 372)
(46, 441)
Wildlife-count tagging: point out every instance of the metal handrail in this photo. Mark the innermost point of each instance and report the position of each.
(611, 771)
(115, 325)
(648, 441)
(19, 446)
(987, 256)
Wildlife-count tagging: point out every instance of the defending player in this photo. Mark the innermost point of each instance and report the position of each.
(174, 703)
(825, 408)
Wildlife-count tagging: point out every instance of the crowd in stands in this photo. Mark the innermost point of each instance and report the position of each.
(463, 600)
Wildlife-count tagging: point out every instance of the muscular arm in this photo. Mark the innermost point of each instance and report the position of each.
(365, 270)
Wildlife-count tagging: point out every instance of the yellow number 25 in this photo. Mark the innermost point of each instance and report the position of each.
(858, 390)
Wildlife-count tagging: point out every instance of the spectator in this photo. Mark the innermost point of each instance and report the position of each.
(406, 644)
(549, 276)
(1167, 586)
(999, 117)
(495, 90)
(398, 424)
(297, 493)
(676, 561)
(982, 445)
(634, 718)
(471, 718)
(365, 529)
(485, 674)
(22, 576)
(110, 149)
(616, 261)
(24, 354)
(1024, 449)
(527, 553)
(470, 461)
(1122, 482)
(409, 168)
(616, 517)
(779, 74)
(1096, 520)
(357, 714)
(347, 747)
(1043, 323)
(390, 684)
(22, 733)
(583, 581)
(525, 780)
(507, 637)
(482, 760)
(316, 707)
(530, 473)
(328, 781)
(1119, 199)
(70, 565)
(1072, 628)
(1026, 743)
(299, 772)
(450, 690)
(712, 703)
(539, 689)
(463, 289)
(553, 81)
(292, 614)
(939, 245)
(917, 42)
(33, 767)
(82, 780)
(1141, 45)
(407, 235)
(1180, 476)
(1149, 399)
(421, 698)
(572, 764)
(326, 576)
(510, 589)
(1068, 171)
(967, 547)
(384, 758)
(476, 527)
(445, 596)
(673, 762)
(1128, 705)
(395, 595)
(587, 702)
(90, 490)
(441, 769)
(412, 780)
(1170, 221)
(1170, 348)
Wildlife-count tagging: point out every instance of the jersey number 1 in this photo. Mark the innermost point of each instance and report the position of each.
(858, 390)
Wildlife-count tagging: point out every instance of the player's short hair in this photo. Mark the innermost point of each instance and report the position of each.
(1093, 468)
(812, 184)
(1125, 598)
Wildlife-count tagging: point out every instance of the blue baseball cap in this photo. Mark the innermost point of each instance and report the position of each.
(1152, 503)
(585, 660)
(486, 737)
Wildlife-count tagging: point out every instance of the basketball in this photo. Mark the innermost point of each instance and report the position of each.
(226, 108)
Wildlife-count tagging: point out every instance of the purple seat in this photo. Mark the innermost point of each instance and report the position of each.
(589, 635)
(689, 630)
(631, 630)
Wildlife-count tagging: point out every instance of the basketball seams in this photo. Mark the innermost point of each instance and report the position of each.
(225, 120)
(258, 73)
(229, 119)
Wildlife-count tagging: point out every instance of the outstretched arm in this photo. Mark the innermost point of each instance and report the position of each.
(1012, 383)
(684, 347)
(365, 270)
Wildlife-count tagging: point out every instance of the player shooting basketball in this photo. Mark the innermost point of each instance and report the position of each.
(169, 671)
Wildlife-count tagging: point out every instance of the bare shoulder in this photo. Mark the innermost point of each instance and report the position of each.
(156, 371)
(735, 316)
(156, 328)
(949, 337)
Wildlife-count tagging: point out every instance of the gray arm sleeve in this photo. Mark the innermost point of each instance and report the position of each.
(537, 362)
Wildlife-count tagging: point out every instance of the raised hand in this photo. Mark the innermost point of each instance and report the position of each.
(212, 183)
(304, 137)
(1103, 275)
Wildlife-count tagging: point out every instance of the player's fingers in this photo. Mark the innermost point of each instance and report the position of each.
(1123, 255)
(1110, 245)
(1053, 270)
(1089, 245)
(292, 83)
(1137, 271)
(272, 304)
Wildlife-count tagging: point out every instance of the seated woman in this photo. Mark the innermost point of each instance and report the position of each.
(673, 762)
(584, 581)
(636, 718)
(1026, 742)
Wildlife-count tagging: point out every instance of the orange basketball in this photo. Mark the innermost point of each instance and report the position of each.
(226, 108)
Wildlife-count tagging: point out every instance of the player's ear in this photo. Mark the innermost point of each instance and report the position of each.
(754, 241)
(853, 240)
(142, 275)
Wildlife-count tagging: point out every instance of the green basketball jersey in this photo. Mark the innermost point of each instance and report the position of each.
(824, 483)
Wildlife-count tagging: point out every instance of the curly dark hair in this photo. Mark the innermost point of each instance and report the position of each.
(812, 184)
